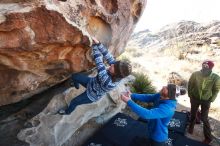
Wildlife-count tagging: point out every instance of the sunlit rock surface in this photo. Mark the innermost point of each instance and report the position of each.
(43, 41)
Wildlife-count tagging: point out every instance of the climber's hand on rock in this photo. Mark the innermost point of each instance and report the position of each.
(95, 41)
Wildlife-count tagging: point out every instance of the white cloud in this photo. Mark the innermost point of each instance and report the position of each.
(161, 12)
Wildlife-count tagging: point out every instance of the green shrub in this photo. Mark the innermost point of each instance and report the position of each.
(142, 84)
(124, 58)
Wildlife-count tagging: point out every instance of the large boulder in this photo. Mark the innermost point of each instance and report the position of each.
(177, 79)
(43, 41)
(51, 129)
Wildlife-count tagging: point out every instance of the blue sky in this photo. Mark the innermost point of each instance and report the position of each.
(161, 12)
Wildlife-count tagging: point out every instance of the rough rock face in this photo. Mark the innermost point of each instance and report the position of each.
(51, 129)
(177, 79)
(43, 41)
(186, 34)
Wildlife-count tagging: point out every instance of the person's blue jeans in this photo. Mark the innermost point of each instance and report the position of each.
(82, 98)
(80, 78)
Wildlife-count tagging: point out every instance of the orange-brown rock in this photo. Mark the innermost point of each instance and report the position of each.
(42, 42)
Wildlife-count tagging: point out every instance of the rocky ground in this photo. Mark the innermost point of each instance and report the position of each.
(15, 117)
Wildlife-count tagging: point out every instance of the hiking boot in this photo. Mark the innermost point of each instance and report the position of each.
(206, 141)
(74, 84)
(191, 129)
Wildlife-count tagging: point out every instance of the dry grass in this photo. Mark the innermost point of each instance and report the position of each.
(218, 43)
(131, 50)
(137, 54)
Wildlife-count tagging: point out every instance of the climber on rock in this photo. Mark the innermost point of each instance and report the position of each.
(105, 81)
(159, 116)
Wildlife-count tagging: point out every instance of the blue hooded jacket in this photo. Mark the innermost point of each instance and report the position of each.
(159, 116)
